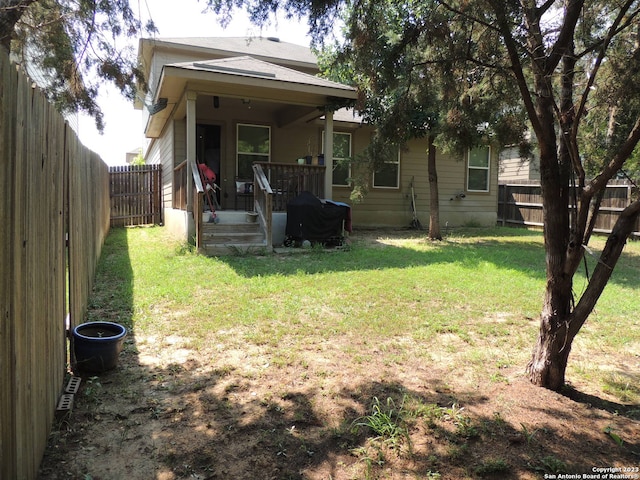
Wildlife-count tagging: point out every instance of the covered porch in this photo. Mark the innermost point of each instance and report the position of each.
(253, 123)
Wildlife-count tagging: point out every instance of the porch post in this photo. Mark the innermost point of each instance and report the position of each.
(191, 145)
(328, 154)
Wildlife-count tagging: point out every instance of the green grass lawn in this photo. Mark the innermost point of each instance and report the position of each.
(394, 358)
(482, 287)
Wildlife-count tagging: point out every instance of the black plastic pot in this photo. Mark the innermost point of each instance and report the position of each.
(97, 345)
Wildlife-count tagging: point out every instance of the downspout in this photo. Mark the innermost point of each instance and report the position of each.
(328, 154)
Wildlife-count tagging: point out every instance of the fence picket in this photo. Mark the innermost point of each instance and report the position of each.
(50, 187)
(521, 204)
(135, 195)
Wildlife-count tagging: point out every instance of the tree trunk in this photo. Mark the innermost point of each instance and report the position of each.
(434, 202)
(549, 360)
(10, 13)
(565, 229)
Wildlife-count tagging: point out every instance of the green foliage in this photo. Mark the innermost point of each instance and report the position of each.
(528, 434)
(410, 85)
(138, 160)
(492, 467)
(386, 421)
(73, 47)
(551, 464)
(464, 425)
(614, 436)
(92, 390)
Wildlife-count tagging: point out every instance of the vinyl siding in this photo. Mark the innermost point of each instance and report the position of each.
(392, 207)
(515, 169)
(160, 151)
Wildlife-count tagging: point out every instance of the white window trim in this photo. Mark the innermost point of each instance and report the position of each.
(238, 152)
(384, 187)
(334, 163)
(487, 169)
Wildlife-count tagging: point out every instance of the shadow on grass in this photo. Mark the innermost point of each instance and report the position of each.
(363, 255)
(112, 296)
(470, 249)
(615, 408)
(210, 424)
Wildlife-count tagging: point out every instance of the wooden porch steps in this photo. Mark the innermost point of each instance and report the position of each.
(232, 238)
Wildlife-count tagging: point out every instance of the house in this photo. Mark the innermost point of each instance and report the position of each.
(241, 104)
(131, 155)
(515, 169)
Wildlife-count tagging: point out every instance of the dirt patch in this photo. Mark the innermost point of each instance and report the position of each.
(241, 411)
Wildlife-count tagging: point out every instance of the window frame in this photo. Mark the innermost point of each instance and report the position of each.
(486, 169)
(385, 187)
(238, 152)
(334, 163)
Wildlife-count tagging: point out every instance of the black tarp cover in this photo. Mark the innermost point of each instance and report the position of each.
(309, 218)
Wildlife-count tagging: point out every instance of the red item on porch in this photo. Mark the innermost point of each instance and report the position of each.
(208, 174)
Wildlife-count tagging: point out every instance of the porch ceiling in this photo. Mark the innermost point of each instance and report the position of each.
(301, 96)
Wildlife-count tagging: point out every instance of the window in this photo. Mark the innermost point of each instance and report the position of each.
(388, 174)
(478, 162)
(341, 159)
(254, 145)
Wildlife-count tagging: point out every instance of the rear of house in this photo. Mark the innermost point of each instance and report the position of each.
(231, 102)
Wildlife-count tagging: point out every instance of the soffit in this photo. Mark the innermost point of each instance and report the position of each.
(244, 77)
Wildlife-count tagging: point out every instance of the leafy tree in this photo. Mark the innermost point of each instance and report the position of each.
(571, 61)
(138, 159)
(410, 89)
(73, 46)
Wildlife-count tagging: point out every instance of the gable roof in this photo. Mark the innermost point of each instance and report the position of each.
(249, 67)
(245, 77)
(270, 48)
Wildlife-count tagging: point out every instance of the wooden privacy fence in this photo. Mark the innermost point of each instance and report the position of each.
(54, 216)
(135, 192)
(521, 204)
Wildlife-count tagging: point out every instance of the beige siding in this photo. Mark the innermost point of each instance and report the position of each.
(381, 206)
(392, 207)
(161, 152)
(513, 168)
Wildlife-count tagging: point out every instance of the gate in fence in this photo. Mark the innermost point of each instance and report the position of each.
(135, 192)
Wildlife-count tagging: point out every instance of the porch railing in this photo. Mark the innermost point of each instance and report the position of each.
(263, 202)
(180, 186)
(198, 203)
(288, 180)
(274, 185)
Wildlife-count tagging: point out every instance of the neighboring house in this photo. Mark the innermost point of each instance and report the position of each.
(514, 168)
(131, 155)
(231, 101)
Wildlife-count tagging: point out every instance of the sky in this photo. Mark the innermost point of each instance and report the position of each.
(124, 128)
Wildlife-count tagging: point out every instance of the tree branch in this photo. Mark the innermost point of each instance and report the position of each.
(610, 255)
(469, 17)
(623, 26)
(516, 67)
(616, 163)
(12, 12)
(542, 9)
(613, 30)
(572, 15)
